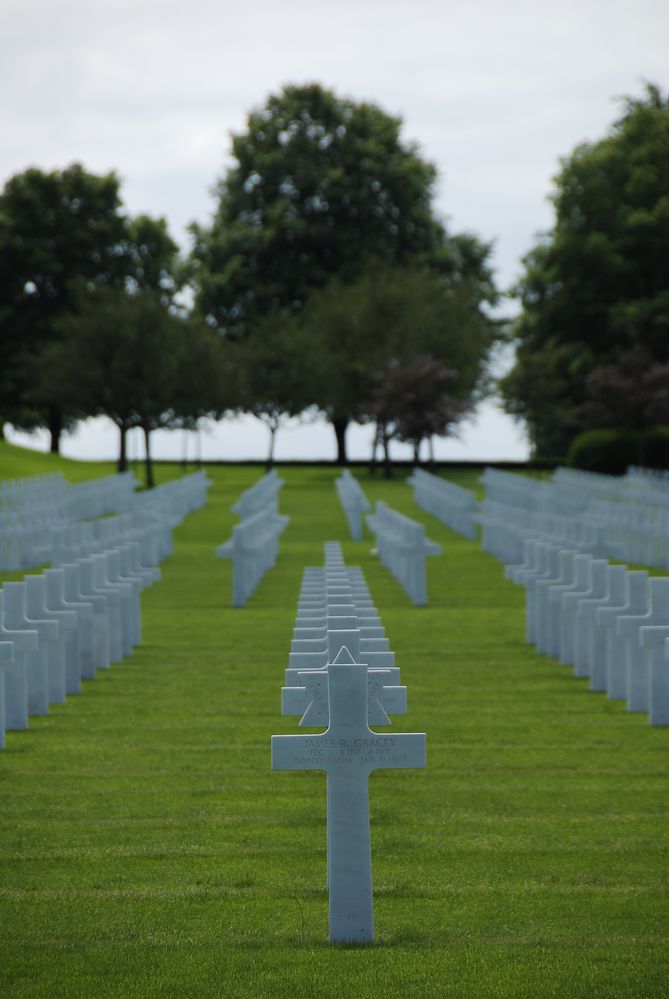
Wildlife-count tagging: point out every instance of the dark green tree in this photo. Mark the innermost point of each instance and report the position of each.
(141, 364)
(319, 183)
(62, 236)
(391, 314)
(152, 258)
(598, 283)
(322, 189)
(274, 375)
(209, 382)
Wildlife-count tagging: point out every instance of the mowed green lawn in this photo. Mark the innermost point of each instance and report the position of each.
(146, 849)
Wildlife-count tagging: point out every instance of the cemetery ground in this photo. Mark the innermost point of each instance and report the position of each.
(147, 849)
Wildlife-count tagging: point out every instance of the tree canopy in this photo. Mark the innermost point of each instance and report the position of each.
(140, 363)
(598, 283)
(413, 401)
(273, 371)
(631, 393)
(320, 184)
(323, 223)
(390, 314)
(63, 238)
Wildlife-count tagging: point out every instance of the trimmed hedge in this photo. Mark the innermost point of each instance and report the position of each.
(606, 451)
(612, 451)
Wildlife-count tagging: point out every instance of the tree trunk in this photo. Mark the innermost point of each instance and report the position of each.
(339, 425)
(2, 431)
(387, 466)
(416, 453)
(135, 450)
(270, 456)
(148, 466)
(55, 429)
(184, 449)
(122, 453)
(430, 442)
(375, 444)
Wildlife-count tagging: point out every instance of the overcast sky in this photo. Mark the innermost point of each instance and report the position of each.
(494, 93)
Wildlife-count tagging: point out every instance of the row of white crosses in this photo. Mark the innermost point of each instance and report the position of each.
(348, 683)
(173, 501)
(354, 502)
(403, 548)
(60, 627)
(150, 521)
(634, 508)
(611, 624)
(634, 532)
(151, 531)
(30, 508)
(36, 494)
(648, 485)
(18, 493)
(571, 490)
(254, 545)
(656, 476)
(504, 530)
(628, 514)
(262, 495)
(451, 504)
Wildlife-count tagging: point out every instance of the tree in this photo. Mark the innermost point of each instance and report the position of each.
(209, 379)
(413, 402)
(161, 349)
(274, 376)
(616, 394)
(631, 393)
(152, 258)
(132, 359)
(391, 314)
(322, 189)
(598, 283)
(62, 236)
(319, 184)
(544, 389)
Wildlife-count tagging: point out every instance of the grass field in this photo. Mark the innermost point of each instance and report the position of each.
(146, 849)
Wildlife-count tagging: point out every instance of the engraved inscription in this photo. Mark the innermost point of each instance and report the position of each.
(374, 750)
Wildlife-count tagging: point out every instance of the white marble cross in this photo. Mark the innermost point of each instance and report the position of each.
(348, 751)
(310, 699)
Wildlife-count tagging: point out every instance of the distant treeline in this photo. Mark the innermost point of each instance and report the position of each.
(326, 284)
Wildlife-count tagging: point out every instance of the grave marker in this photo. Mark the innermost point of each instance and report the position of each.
(617, 646)
(36, 610)
(600, 645)
(16, 672)
(101, 609)
(654, 640)
(38, 660)
(630, 626)
(56, 604)
(348, 751)
(310, 700)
